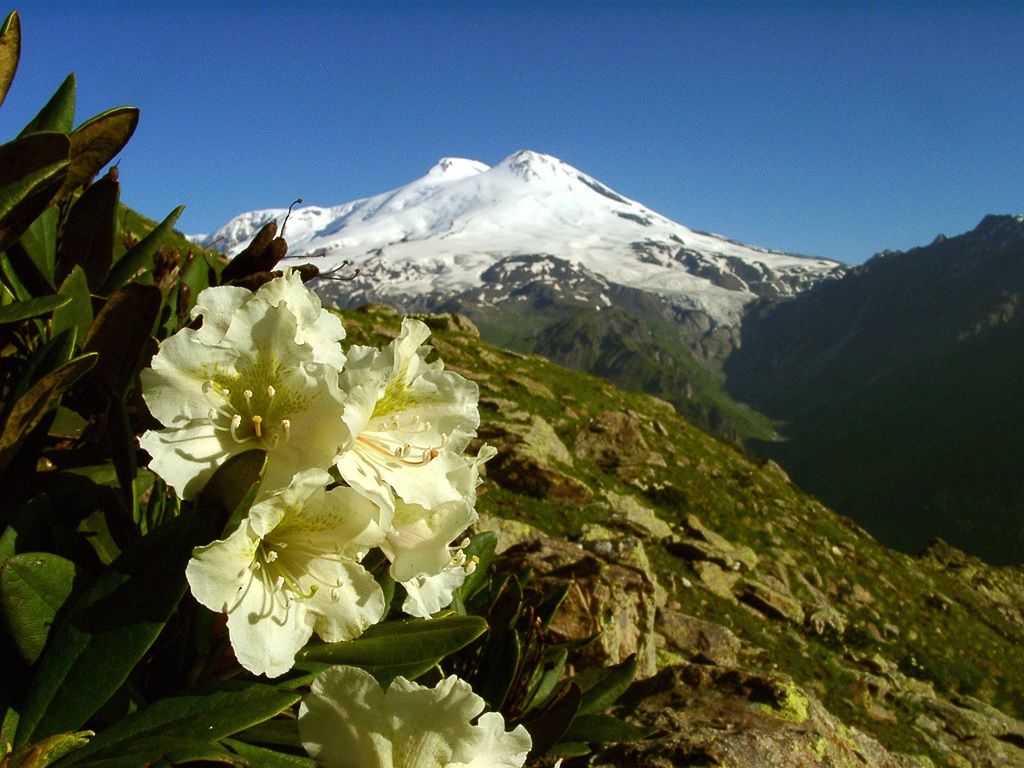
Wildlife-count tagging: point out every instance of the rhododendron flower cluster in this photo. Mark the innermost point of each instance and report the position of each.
(265, 369)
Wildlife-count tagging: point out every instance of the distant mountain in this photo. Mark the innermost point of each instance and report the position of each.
(901, 388)
(535, 232)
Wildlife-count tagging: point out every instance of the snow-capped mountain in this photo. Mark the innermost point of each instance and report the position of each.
(443, 235)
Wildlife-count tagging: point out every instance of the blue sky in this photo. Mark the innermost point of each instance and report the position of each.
(829, 129)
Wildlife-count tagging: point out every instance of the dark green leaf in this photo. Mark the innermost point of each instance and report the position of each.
(140, 256)
(164, 753)
(547, 680)
(604, 728)
(96, 142)
(23, 310)
(266, 758)
(119, 333)
(28, 154)
(482, 547)
(33, 587)
(48, 751)
(22, 201)
(39, 242)
(110, 628)
(43, 397)
(547, 609)
(601, 687)
(77, 313)
(203, 715)
(548, 724)
(400, 643)
(89, 233)
(503, 653)
(59, 112)
(10, 51)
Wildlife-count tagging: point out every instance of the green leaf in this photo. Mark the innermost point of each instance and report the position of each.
(140, 256)
(96, 142)
(22, 201)
(548, 724)
(28, 154)
(119, 334)
(482, 547)
(33, 587)
(77, 313)
(48, 751)
(110, 628)
(43, 397)
(166, 753)
(89, 232)
(10, 51)
(209, 714)
(604, 728)
(39, 242)
(400, 643)
(267, 758)
(601, 687)
(547, 680)
(23, 310)
(58, 114)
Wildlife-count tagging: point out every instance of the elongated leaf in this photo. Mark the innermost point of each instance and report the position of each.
(109, 629)
(204, 715)
(33, 587)
(23, 310)
(266, 758)
(58, 114)
(77, 313)
(601, 687)
(140, 256)
(39, 242)
(88, 237)
(166, 753)
(482, 547)
(400, 643)
(37, 402)
(119, 332)
(46, 752)
(96, 142)
(548, 724)
(547, 681)
(10, 51)
(28, 154)
(22, 201)
(604, 728)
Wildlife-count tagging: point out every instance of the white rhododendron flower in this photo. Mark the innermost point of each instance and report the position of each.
(410, 421)
(291, 569)
(349, 721)
(426, 595)
(261, 372)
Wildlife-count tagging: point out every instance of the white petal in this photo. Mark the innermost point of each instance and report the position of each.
(334, 725)
(426, 595)
(187, 457)
(347, 721)
(267, 631)
(217, 306)
(417, 542)
(220, 572)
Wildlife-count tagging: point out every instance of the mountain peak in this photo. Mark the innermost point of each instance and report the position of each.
(456, 168)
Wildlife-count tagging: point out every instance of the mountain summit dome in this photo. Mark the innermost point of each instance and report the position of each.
(434, 238)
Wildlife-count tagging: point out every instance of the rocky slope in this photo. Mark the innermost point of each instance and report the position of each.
(770, 631)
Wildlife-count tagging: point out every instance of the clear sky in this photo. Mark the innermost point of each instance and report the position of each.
(829, 129)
